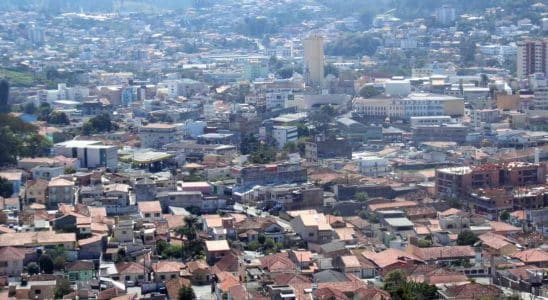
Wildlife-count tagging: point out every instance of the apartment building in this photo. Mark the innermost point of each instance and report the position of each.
(532, 57)
(458, 181)
(417, 104)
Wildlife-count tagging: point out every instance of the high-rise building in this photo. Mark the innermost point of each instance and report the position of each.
(313, 60)
(446, 15)
(532, 58)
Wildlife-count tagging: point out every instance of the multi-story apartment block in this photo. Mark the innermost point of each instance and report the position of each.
(156, 135)
(458, 181)
(532, 58)
(418, 104)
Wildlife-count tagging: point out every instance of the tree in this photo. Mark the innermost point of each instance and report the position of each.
(261, 238)
(361, 196)
(70, 170)
(9, 147)
(285, 72)
(4, 96)
(368, 91)
(59, 263)
(505, 216)
(161, 245)
(263, 155)
(46, 263)
(33, 268)
(395, 282)
(98, 124)
(29, 108)
(468, 51)
(35, 145)
(62, 288)
(422, 243)
(290, 147)
(174, 251)
(6, 188)
(186, 293)
(44, 110)
(253, 246)
(353, 44)
(321, 118)
(59, 118)
(467, 237)
(249, 144)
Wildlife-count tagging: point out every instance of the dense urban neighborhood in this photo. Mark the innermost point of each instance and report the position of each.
(276, 150)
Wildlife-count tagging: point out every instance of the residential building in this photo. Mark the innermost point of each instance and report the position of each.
(216, 250)
(12, 261)
(312, 227)
(91, 154)
(461, 180)
(313, 60)
(445, 132)
(156, 135)
(81, 270)
(60, 190)
(532, 57)
(416, 104)
(270, 174)
(284, 134)
(36, 191)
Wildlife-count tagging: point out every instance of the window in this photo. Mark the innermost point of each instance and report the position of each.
(141, 277)
(38, 291)
(128, 277)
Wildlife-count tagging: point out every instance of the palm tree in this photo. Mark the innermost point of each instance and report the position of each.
(189, 231)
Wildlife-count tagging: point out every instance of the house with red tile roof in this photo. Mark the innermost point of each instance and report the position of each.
(12, 261)
(277, 263)
(537, 257)
(174, 285)
(390, 258)
(165, 270)
(497, 244)
(436, 275)
(131, 271)
(229, 263)
(225, 281)
(470, 291)
(199, 272)
(442, 254)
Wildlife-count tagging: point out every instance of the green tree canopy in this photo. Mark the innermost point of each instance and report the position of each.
(395, 282)
(98, 124)
(46, 263)
(33, 268)
(353, 44)
(6, 188)
(186, 293)
(361, 196)
(62, 288)
(59, 118)
(4, 95)
(467, 237)
(368, 91)
(20, 139)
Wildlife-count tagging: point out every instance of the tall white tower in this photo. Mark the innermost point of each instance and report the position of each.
(313, 60)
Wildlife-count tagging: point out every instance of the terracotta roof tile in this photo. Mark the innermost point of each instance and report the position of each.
(532, 256)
